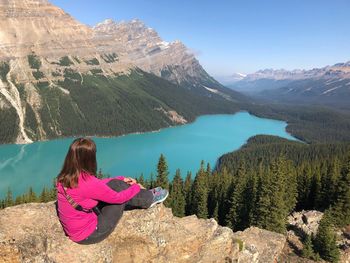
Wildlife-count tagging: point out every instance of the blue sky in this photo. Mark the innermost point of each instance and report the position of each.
(237, 36)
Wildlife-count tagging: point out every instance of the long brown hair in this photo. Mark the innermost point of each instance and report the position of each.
(81, 156)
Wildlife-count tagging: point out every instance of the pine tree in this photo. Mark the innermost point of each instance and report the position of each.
(308, 249)
(329, 183)
(19, 200)
(271, 206)
(53, 191)
(208, 169)
(200, 193)
(99, 175)
(223, 192)
(304, 186)
(212, 198)
(290, 183)
(341, 208)
(9, 198)
(44, 196)
(278, 209)
(325, 240)
(209, 176)
(315, 191)
(31, 196)
(249, 200)
(234, 216)
(178, 202)
(141, 181)
(162, 176)
(263, 200)
(151, 181)
(216, 212)
(187, 193)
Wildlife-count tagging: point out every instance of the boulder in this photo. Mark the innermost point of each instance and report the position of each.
(260, 245)
(305, 222)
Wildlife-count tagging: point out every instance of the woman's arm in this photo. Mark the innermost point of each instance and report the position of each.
(98, 190)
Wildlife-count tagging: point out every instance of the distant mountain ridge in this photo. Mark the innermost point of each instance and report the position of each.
(52, 67)
(337, 70)
(329, 85)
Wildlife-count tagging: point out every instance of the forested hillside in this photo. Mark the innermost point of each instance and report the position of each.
(310, 124)
(95, 104)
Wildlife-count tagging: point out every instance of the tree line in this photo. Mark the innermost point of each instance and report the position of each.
(309, 123)
(46, 195)
(265, 195)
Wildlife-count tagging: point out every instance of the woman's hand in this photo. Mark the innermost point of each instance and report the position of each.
(130, 180)
(141, 186)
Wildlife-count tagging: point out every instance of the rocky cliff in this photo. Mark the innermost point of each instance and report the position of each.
(145, 49)
(32, 233)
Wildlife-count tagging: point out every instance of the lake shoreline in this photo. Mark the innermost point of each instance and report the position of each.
(150, 131)
(124, 134)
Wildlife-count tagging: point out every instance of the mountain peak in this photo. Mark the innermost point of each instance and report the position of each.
(23, 2)
(136, 21)
(107, 21)
(110, 26)
(337, 70)
(37, 25)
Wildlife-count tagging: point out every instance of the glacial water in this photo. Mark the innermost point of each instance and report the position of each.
(209, 137)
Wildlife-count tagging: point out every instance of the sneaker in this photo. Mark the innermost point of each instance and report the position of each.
(155, 190)
(159, 196)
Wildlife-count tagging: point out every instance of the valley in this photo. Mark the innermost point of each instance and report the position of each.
(250, 151)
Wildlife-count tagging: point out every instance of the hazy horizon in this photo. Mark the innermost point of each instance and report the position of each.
(229, 37)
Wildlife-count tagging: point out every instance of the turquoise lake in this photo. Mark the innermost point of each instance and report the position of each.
(209, 137)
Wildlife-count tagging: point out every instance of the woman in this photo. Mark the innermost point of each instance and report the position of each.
(90, 208)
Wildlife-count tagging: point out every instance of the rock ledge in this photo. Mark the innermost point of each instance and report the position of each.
(32, 233)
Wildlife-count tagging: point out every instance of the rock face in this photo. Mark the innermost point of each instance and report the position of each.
(32, 233)
(146, 50)
(36, 25)
(260, 245)
(305, 221)
(344, 243)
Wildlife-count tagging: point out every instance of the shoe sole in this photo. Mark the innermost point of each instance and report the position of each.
(160, 201)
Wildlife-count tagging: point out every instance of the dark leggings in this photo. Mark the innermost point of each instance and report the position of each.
(111, 213)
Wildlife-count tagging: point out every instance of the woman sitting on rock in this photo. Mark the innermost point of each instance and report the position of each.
(90, 208)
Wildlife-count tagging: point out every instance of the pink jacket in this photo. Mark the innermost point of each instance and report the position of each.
(79, 225)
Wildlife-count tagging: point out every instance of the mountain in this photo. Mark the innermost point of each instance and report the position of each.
(143, 47)
(59, 77)
(329, 85)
